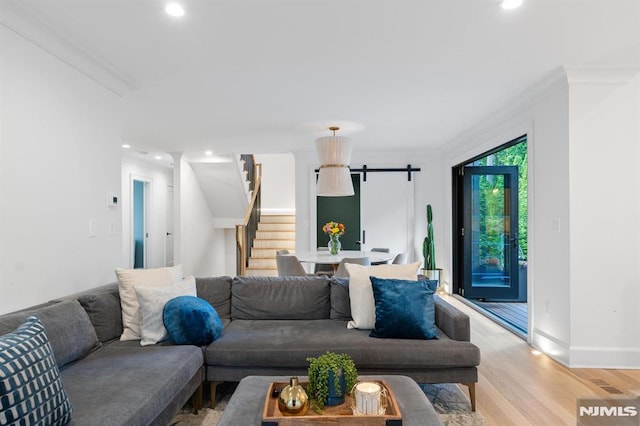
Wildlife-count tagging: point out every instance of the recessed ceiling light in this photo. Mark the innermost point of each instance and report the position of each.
(174, 9)
(510, 4)
(208, 153)
(126, 146)
(158, 157)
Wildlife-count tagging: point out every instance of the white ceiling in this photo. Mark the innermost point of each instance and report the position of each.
(265, 76)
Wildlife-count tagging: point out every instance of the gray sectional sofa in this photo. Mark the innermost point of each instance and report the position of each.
(109, 382)
(274, 324)
(271, 326)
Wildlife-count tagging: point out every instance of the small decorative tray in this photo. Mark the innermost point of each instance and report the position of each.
(335, 415)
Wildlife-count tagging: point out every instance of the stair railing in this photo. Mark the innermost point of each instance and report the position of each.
(246, 232)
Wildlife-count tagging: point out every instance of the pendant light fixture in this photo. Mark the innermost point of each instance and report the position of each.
(334, 153)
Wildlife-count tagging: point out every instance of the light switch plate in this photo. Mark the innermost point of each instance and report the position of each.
(92, 227)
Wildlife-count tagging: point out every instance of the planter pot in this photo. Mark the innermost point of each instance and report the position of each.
(435, 275)
(333, 398)
(432, 274)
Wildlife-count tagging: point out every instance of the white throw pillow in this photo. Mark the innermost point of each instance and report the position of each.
(152, 301)
(363, 310)
(127, 278)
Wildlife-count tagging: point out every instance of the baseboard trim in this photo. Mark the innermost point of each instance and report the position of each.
(550, 345)
(596, 357)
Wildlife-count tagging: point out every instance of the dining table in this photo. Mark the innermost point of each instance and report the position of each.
(323, 257)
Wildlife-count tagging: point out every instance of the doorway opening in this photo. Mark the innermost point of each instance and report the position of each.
(345, 210)
(490, 234)
(140, 204)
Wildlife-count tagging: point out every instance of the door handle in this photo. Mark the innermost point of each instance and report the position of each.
(359, 242)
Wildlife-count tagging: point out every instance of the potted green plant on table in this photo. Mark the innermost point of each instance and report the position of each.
(429, 250)
(330, 375)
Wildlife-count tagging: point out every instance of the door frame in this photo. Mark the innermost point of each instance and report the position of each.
(457, 215)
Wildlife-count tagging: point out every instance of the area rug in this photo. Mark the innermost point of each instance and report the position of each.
(451, 404)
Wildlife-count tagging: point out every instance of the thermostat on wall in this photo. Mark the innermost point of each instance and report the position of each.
(112, 199)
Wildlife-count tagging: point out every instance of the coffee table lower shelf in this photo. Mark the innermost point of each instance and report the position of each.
(335, 415)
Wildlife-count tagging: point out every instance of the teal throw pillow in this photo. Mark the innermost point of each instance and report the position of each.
(404, 309)
(191, 320)
(31, 391)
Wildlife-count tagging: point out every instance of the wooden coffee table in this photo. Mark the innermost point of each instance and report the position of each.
(247, 402)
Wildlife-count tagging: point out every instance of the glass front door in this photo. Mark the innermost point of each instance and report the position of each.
(490, 233)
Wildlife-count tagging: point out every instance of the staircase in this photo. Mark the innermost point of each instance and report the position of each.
(275, 232)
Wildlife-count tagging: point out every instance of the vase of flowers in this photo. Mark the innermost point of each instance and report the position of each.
(334, 230)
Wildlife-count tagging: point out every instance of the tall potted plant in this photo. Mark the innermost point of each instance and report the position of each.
(429, 250)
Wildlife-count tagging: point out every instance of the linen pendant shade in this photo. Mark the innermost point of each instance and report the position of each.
(334, 153)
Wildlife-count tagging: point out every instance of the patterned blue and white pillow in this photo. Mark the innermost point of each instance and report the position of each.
(30, 386)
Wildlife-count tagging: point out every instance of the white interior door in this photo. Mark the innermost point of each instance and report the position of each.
(387, 210)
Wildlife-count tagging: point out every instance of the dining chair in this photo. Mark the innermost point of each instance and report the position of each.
(381, 250)
(323, 269)
(281, 252)
(400, 259)
(289, 266)
(341, 272)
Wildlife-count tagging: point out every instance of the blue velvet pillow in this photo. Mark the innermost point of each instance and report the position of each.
(404, 309)
(190, 320)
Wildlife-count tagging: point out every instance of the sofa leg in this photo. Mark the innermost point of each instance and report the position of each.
(213, 386)
(472, 394)
(196, 399)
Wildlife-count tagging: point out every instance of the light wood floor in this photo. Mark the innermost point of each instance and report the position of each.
(516, 387)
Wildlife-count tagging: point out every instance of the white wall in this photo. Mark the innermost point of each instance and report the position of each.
(278, 183)
(543, 117)
(604, 146)
(160, 179)
(202, 249)
(59, 158)
(583, 150)
(428, 190)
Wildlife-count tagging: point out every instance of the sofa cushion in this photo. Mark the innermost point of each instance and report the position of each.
(70, 331)
(192, 321)
(404, 309)
(31, 391)
(124, 383)
(254, 344)
(127, 278)
(216, 291)
(104, 312)
(361, 293)
(280, 298)
(340, 304)
(152, 301)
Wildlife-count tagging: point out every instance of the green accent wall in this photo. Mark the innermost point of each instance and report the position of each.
(345, 210)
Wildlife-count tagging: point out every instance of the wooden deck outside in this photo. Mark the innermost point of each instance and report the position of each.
(511, 314)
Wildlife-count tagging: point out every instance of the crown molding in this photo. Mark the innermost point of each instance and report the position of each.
(21, 20)
(552, 83)
(607, 75)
